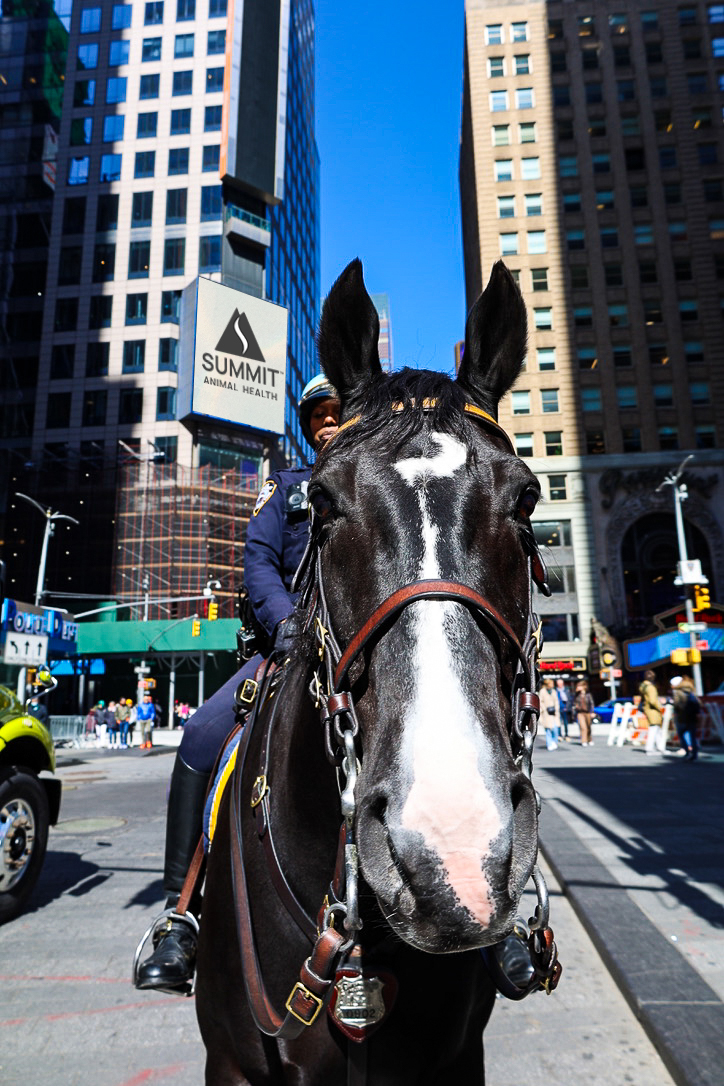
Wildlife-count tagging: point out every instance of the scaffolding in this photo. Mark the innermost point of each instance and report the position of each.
(177, 528)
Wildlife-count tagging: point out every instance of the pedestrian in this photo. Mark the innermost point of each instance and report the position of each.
(584, 709)
(123, 717)
(132, 720)
(565, 702)
(114, 728)
(146, 716)
(686, 715)
(651, 708)
(550, 713)
(99, 710)
(38, 710)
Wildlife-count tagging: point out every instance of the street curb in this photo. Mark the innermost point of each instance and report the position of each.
(681, 1014)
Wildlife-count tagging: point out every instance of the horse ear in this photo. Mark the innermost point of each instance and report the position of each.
(495, 340)
(349, 331)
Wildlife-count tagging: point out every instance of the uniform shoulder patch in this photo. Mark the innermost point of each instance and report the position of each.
(264, 495)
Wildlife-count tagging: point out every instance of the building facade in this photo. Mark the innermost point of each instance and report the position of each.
(148, 196)
(382, 305)
(592, 163)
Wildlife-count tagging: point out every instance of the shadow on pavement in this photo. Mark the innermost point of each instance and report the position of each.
(62, 872)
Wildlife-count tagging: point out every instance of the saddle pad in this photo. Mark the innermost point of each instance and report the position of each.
(213, 800)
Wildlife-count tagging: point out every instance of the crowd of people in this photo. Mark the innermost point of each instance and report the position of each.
(561, 706)
(114, 723)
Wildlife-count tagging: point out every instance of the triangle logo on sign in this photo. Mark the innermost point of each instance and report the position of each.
(238, 338)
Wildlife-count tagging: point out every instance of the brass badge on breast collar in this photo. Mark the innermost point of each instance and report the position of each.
(361, 1001)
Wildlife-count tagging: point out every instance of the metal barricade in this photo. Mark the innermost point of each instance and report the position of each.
(67, 730)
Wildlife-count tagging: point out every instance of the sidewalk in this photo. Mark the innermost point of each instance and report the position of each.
(636, 844)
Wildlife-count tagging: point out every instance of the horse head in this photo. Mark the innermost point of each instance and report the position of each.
(420, 484)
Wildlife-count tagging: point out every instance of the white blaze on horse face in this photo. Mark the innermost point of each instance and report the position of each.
(449, 802)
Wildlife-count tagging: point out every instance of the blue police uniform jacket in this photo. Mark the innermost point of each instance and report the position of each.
(275, 542)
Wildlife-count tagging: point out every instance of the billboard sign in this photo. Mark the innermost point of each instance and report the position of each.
(232, 357)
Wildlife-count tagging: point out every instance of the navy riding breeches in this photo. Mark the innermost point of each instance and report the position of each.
(207, 729)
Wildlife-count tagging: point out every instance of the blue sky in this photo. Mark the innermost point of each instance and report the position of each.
(389, 84)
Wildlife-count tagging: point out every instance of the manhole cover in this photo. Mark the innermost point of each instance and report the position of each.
(90, 825)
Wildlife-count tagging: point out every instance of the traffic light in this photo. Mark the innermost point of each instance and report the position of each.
(608, 658)
(680, 656)
(196, 628)
(213, 611)
(694, 656)
(702, 599)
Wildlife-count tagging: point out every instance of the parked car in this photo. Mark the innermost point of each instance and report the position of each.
(29, 803)
(603, 713)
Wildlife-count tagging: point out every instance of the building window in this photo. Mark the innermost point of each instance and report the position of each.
(699, 393)
(537, 242)
(579, 276)
(509, 244)
(631, 436)
(539, 278)
(130, 407)
(630, 126)
(520, 403)
(708, 154)
(150, 49)
(148, 87)
(546, 358)
(689, 310)
(561, 95)
(668, 437)
(69, 266)
(180, 122)
(522, 64)
(165, 404)
(214, 80)
(500, 135)
(147, 125)
(626, 397)
(96, 359)
(210, 158)
(104, 262)
(154, 13)
(523, 444)
(134, 355)
(81, 131)
(503, 169)
(175, 206)
(639, 196)
(185, 9)
(601, 163)
(672, 192)
(174, 251)
(118, 53)
(210, 253)
(178, 160)
(667, 158)
(643, 233)
(216, 42)
(658, 354)
(84, 92)
(595, 442)
(94, 407)
(217, 7)
(167, 352)
(622, 356)
(141, 209)
(649, 20)
(693, 351)
(618, 315)
(525, 98)
(110, 168)
(506, 207)
(591, 399)
(594, 93)
(543, 318)
(498, 101)
(182, 83)
(568, 166)
(62, 361)
(210, 202)
(139, 258)
(533, 203)
(494, 34)
(58, 413)
(553, 440)
(116, 89)
(658, 86)
(604, 199)
(170, 306)
(609, 237)
(183, 46)
(519, 32)
(78, 170)
(121, 16)
(212, 119)
(575, 239)
(557, 488)
(587, 358)
(496, 67)
(136, 308)
(705, 436)
(87, 58)
(549, 401)
(583, 316)
(145, 164)
(99, 316)
(613, 274)
(571, 201)
(527, 132)
(90, 20)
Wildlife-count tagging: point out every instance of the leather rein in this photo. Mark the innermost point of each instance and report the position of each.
(331, 692)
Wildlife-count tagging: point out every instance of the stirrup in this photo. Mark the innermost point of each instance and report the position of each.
(182, 918)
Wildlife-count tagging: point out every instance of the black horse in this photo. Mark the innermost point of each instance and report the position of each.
(416, 649)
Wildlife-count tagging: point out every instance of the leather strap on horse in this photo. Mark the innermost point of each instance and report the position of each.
(308, 996)
(421, 590)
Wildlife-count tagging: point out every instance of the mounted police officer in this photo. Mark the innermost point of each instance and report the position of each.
(275, 542)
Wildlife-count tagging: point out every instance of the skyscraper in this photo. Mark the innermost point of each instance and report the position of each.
(592, 163)
(172, 111)
(382, 305)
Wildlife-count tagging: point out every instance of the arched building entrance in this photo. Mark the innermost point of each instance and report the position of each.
(649, 555)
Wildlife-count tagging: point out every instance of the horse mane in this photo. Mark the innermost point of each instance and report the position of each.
(373, 402)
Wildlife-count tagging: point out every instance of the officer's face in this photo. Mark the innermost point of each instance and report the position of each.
(323, 421)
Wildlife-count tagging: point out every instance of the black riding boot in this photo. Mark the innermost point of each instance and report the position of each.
(172, 964)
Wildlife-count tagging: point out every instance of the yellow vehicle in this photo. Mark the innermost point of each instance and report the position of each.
(29, 803)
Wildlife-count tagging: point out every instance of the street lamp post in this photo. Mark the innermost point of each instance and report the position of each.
(50, 518)
(681, 493)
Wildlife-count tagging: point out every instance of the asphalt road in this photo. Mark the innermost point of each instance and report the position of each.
(69, 1016)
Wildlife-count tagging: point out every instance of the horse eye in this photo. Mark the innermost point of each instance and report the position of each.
(527, 503)
(321, 504)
